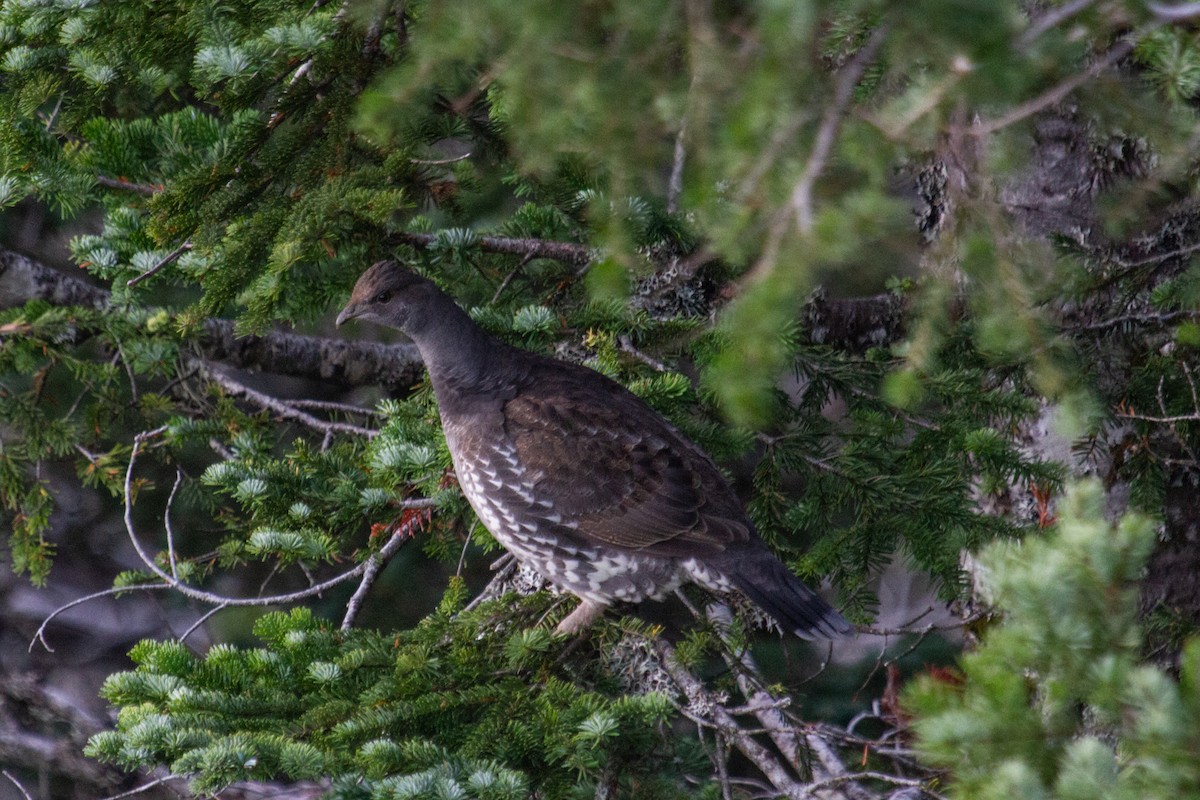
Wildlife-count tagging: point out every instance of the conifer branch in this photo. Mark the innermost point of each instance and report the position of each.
(167, 259)
(346, 362)
(572, 253)
(342, 361)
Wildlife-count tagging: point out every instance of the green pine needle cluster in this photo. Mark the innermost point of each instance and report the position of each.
(1056, 703)
(424, 713)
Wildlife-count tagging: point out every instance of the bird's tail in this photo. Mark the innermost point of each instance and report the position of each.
(765, 580)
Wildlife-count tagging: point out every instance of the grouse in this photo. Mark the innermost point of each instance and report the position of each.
(576, 476)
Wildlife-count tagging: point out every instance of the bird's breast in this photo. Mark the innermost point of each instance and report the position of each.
(506, 499)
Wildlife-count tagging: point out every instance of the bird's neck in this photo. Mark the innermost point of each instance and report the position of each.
(456, 351)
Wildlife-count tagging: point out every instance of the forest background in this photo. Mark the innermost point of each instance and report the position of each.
(919, 276)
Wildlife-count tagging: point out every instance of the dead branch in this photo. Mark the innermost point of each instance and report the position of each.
(719, 717)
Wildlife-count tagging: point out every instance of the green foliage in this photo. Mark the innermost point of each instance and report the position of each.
(1173, 57)
(702, 167)
(411, 715)
(1056, 702)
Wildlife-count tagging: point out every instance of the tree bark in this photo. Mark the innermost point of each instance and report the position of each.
(350, 363)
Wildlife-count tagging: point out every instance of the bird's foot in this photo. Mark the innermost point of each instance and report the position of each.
(580, 618)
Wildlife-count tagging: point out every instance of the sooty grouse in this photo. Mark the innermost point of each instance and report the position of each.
(575, 475)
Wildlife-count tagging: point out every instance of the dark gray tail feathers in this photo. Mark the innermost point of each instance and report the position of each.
(765, 580)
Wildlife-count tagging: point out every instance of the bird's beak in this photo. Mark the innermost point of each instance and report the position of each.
(348, 313)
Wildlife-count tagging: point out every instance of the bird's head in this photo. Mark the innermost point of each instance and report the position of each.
(389, 294)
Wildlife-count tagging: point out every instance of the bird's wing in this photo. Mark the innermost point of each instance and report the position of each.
(621, 473)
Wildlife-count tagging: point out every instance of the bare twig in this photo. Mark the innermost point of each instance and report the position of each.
(882, 660)
(1147, 318)
(333, 408)
(820, 670)
(124, 361)
(768, 712)
(1192, 417)
(300, 72)
(147, 189)
(721, 757)
(377, 561)
(1156, 258)
(462, 556)
(832, 768)
(439, 162)
(16, 783)
(831, 123)
(769, 155)
(145, 787)
(40, 634)
(220, 449)
(907, 628)
(625, 345)
(54, 114)
(894, 752)
(509, 279)
(929, 100)
(1057, 93)
(282, 408)
(195, 626)
(1051, 18)
(490, 591)
(1187, 372)
(172, 559)
(1177, 13)
(812, 789)
(675, 183)
(799, 210)
(198, 594)
(167, 259)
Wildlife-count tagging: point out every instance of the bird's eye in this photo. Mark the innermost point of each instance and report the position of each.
(383, 297)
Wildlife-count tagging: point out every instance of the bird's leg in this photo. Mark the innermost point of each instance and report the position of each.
(580, 618)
